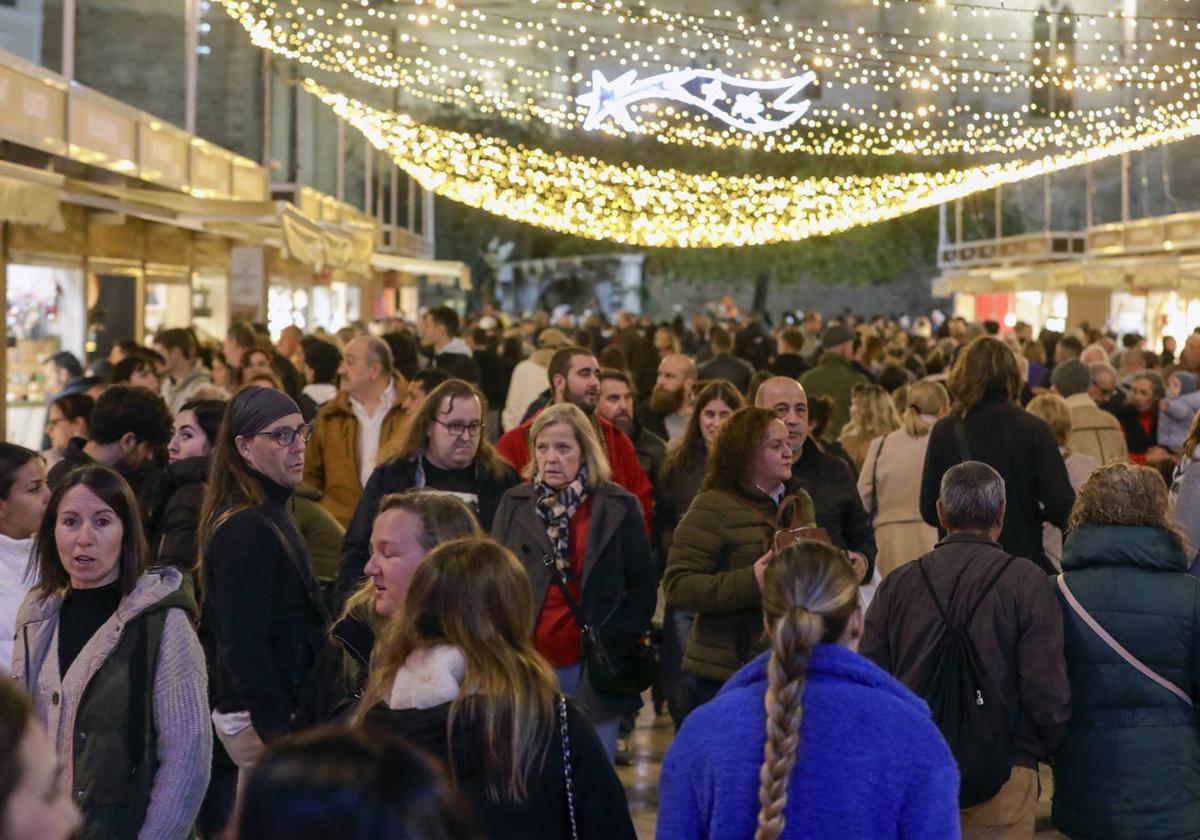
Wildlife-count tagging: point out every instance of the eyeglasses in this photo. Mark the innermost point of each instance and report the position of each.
(472, 430)
(285, 437)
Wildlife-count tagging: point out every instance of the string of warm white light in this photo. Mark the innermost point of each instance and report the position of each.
(353, 38)
(665, 207)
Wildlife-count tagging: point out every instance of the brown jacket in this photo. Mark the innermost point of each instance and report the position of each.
(331, 464)
(1017, 633)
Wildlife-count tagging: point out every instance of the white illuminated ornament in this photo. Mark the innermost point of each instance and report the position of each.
(748, 112)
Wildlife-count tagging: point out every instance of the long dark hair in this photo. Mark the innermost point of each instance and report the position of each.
(418, 431)
(108, 485)
(736, 448)
(692, 449)
(229, 489)
(336, 782)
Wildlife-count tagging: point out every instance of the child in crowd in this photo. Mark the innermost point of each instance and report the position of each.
(1177, 410)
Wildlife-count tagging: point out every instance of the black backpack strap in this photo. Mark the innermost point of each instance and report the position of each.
(307, 580)
(954, 590)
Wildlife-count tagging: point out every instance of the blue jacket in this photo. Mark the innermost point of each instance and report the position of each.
(1129, 766)
(871, 763)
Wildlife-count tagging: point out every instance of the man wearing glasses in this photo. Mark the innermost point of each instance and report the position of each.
(350, 427)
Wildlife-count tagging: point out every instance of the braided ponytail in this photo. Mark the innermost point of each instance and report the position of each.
(809, 594)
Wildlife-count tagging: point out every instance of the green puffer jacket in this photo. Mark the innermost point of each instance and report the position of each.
(710, 571)
(1129, 766)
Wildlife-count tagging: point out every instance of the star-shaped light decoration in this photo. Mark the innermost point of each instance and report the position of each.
(748, 106)
(713, 91)
(605, 100)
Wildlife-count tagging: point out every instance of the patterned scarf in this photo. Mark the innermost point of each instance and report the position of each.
(556, 507)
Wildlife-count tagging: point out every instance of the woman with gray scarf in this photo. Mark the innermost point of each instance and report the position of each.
(571, 522)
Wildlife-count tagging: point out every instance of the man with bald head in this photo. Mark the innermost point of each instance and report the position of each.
(666, 412)
(825, 477)
(349, 428)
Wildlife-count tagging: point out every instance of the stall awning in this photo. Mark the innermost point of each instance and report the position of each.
(30, 196)
(438, 271)
(321, 245)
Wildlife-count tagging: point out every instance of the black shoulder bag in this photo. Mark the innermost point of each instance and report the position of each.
(617, 662)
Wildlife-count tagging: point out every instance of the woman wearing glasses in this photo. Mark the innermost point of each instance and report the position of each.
(446, 450)
(262, 604)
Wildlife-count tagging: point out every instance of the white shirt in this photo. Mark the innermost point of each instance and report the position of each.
(676, 423)
(14, 559)
(370, 427)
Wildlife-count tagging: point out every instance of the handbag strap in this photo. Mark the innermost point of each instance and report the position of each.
(573, 605)
(565, 737)
(875, 480)
(306, 578)
(1117, 647)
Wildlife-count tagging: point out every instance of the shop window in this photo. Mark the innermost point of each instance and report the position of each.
(46, 314)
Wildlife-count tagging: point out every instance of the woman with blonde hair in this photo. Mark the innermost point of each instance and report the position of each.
(1129, 764)
(890, 480)
(1054, 410)
(987, 424)
(458, 674)
(582, 541)
(810, 739)
(872, 415)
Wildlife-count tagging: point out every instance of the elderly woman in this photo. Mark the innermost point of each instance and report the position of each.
(1054, 410)
(986, 424)
(723, 543)
(1129, 765)
(108, 654)
(571, 524)
(890, 481)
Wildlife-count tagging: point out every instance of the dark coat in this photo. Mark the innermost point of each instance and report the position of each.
(839, 508)
(619, 580)
(674, 497)
(651, 421)
(174, 514)
(141, 478)
(789, 364)
(1023, 450)
(393, 477)
(730, 367)
(651, 451)
(262, 606)
(1129, 766)
(601, 810)
(1017, 633)
(458, 365)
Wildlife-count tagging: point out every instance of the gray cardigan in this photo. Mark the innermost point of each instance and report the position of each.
(180, 711)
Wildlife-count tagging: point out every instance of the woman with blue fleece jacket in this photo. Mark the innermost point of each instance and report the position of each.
(810, 740)
(1176, 411)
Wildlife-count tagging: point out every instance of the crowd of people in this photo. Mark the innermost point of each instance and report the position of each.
(419, 579)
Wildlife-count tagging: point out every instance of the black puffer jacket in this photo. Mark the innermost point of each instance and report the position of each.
(394, 477)
(601, 809)
(174, 514)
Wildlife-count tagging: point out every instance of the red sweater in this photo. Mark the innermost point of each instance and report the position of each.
(557, 636)
(627, 471)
